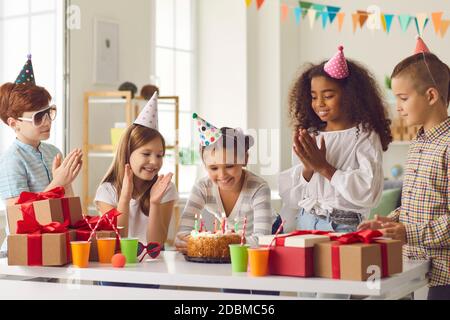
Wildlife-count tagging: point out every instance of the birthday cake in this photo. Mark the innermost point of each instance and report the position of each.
(211, 247)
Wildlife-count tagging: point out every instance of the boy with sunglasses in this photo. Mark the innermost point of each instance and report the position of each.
(29, 164)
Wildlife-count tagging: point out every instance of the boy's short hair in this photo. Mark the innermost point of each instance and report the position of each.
(15, 99)
(426, 70)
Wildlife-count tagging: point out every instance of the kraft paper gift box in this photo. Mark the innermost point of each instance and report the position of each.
(46, 207)
(292, 255)
(357, 261)
(45, 212)
(48, 249)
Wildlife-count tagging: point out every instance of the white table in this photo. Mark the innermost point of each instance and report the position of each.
(171, 269)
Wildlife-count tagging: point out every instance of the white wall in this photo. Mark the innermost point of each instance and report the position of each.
(135, 61)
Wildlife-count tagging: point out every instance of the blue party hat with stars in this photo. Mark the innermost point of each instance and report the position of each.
(26, 76)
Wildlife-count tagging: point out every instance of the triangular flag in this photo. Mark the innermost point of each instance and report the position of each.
(386, 19)
(355, 18)
(248, 3)
(444, 27)
(363, 15)
(404, 20)
(305, 6)
(333, 9)
(421, 22)
(284, 12)
(324, 19)
(436, 17)
(259, 3)
(312, 17)
(340, 16)
(318, 7)
(332, 16)
(298, 13)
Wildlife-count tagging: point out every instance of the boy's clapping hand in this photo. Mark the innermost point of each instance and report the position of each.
(65, 171)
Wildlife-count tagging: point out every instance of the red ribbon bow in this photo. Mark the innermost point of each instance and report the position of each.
(26, 199)
(89, 223)
(363, 236)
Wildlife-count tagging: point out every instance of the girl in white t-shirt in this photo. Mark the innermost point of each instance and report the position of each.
(132, 184)
(341, 131)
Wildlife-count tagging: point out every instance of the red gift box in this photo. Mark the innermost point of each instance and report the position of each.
(293, 253)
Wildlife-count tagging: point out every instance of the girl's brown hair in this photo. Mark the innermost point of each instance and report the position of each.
(361, 101)
(133, 138)
(426, 70)
(15, 99)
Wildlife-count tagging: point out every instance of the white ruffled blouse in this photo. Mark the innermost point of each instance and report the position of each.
(356, 185)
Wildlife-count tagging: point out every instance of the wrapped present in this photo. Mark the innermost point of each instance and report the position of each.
(293, 253)
(39, 245)
(46, 207)
(353, 256)
(104, 228)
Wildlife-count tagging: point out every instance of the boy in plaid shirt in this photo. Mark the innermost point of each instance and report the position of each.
(422, 87)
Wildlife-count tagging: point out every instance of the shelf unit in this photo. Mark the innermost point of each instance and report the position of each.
(131, 108)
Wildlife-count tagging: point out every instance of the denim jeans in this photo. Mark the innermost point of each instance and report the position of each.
(309, 221)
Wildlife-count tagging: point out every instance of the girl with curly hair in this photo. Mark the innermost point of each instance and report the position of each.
(340, 132)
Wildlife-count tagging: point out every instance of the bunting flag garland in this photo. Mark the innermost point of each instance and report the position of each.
(444, 27)
(284, 12)
(421, 22)
(298, 14)
(386, 20)
(436, 17)
(404, 20)
(259, 3)
(372, 18)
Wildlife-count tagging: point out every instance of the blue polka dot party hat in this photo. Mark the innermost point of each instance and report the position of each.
(149, 114)
(209, 134)
(26, 76)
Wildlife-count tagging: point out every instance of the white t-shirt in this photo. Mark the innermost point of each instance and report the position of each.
(138, 221)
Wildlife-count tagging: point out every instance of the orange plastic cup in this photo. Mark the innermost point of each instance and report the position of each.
(80, 253)
(106, 249)
(259, 261)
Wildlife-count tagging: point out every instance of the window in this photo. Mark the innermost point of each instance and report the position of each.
(174, 59)
(34, 27)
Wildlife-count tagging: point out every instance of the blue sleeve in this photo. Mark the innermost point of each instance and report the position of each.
(13, 178)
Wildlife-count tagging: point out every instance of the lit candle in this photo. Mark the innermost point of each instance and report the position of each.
(215, 225)
(196, 223)
(201, 223)
(236, 225)
(224, 221)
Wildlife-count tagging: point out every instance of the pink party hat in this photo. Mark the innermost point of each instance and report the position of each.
(421, 47)
(337, 67)
(209, 134)
(149, 115)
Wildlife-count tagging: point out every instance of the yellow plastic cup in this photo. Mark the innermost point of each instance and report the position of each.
(106, 249)
(80, 253)
(259, 261)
